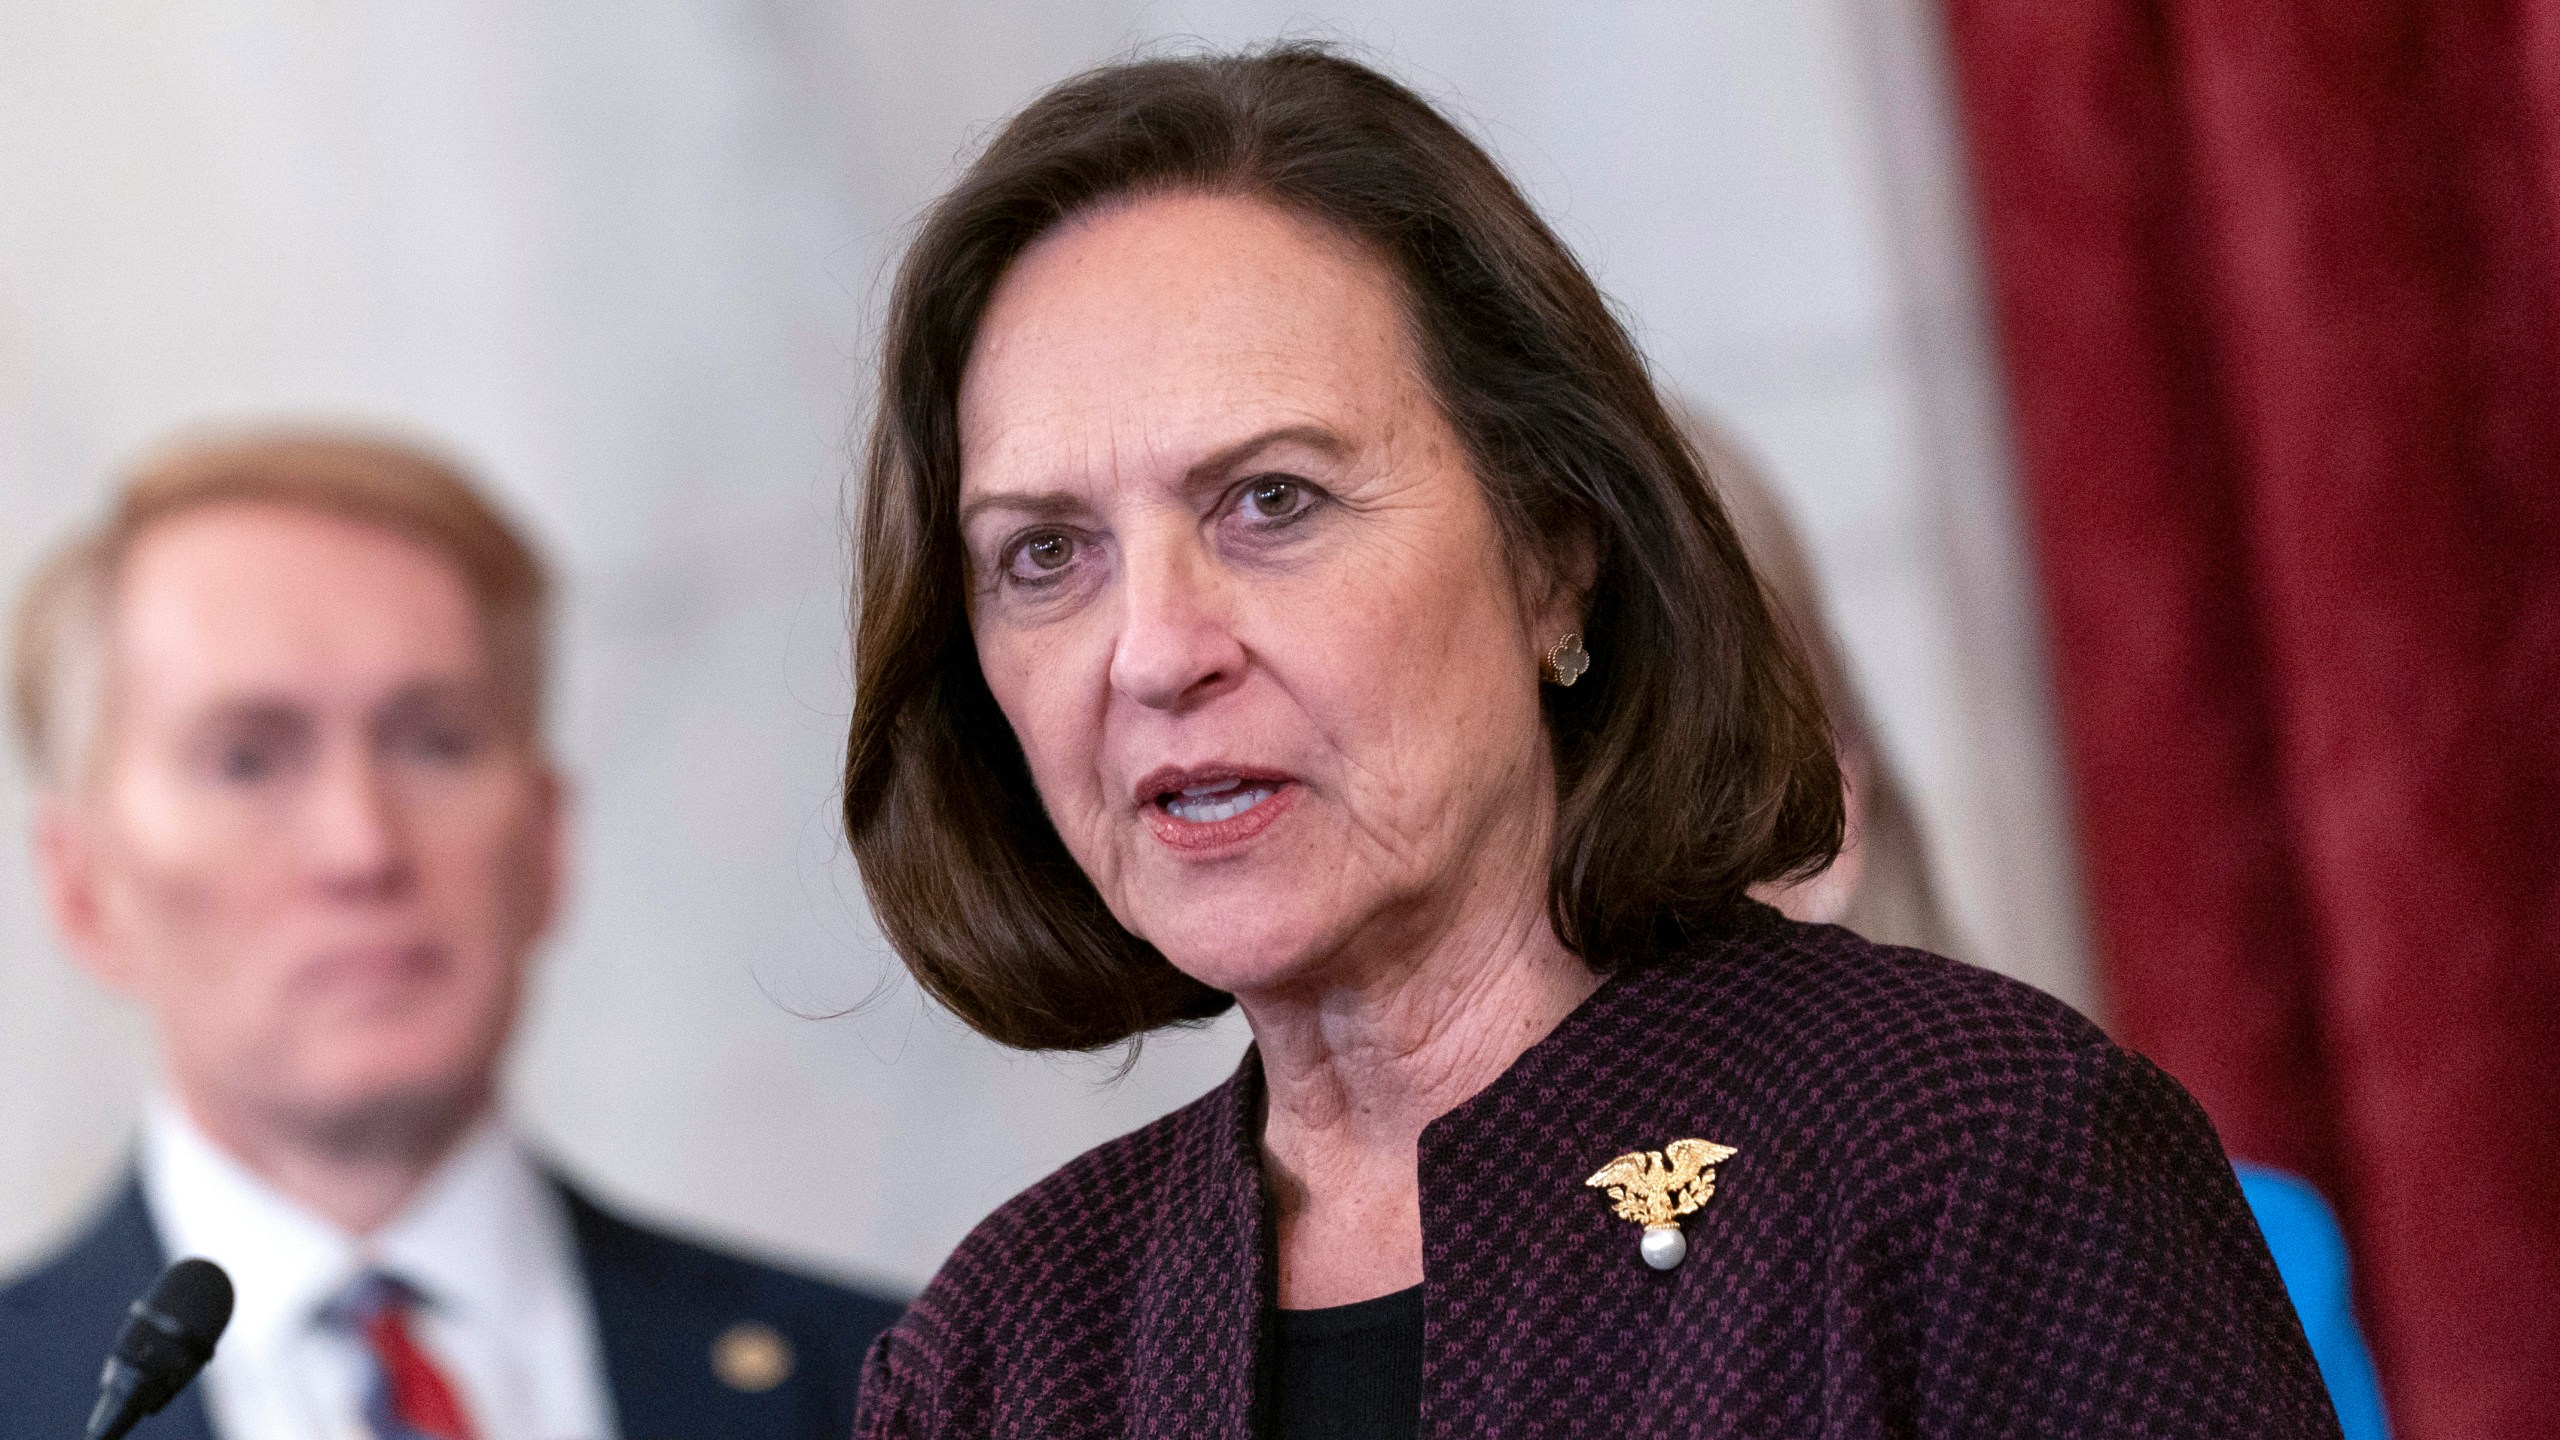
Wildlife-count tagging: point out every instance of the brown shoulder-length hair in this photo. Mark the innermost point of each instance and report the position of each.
(1692, 761)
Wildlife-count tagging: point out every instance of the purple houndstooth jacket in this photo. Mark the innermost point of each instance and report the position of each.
(1954, 1210)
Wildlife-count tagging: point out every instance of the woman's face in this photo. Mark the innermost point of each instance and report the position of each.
(1241, 597)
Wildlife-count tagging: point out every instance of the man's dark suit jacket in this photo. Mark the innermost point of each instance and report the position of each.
(661, 1304)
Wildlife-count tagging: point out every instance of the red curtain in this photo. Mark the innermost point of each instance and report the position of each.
(2279, 295)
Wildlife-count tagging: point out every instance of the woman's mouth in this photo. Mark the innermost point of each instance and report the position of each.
(1216, 801)
(1214, 811)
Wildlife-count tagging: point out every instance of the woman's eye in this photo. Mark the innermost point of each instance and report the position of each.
(1275, 499)
(1041, 556)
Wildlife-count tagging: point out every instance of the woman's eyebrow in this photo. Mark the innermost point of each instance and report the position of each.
(1218, 463)
(1039, 505)
(1215, 466)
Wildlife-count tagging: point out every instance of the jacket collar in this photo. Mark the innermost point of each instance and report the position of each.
(1206, 1289)
(1204, 1295)
(117, 1261)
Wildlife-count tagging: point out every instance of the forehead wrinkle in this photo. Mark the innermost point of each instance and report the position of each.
(1066, 339)
(1058, 469)
(1166, 439)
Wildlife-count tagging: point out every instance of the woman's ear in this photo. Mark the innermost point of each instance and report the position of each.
(1572, 568)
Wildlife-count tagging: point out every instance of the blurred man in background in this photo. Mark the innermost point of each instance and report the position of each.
(284, 714)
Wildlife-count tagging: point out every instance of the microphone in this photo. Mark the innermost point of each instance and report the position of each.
(168, 1335)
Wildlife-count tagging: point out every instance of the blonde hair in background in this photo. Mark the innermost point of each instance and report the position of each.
(1892, 899)
(63, 623)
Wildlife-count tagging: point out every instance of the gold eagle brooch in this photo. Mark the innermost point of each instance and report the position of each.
(1654, 1188)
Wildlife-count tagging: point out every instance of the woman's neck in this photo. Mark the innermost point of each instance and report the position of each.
(1356, 1065)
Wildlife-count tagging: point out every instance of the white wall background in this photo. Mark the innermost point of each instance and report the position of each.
(626, 257)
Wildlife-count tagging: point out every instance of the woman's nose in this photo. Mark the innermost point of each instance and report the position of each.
(1177, 647)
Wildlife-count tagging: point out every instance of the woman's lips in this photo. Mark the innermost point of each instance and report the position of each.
(1204, 813)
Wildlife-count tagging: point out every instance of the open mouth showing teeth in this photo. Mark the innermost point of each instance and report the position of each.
(1218, 800)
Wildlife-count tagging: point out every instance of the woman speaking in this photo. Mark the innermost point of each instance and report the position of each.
(1281, 586)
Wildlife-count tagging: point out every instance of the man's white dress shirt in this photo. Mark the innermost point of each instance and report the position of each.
(504, 1311)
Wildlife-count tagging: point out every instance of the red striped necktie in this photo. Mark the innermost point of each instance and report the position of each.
(406, 1397)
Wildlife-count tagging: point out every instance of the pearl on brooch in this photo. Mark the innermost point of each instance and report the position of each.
(1664, 1247)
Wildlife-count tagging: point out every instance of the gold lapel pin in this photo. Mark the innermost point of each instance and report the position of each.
(1654, 1188)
